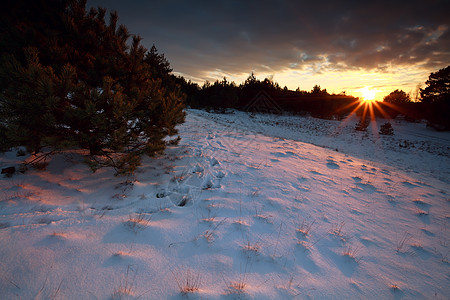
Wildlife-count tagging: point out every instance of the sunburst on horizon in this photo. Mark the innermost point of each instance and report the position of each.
(368, 93)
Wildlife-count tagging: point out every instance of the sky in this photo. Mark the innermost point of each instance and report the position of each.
(350, 46)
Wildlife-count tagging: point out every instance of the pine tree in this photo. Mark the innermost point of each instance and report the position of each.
(438, 87)
(33, 102)
(160, 67)
(436, 96)
(386, 129)
(81, 85)
(397, 97)
(362, 125)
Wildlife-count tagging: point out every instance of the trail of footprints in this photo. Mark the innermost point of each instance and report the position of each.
(203, 173)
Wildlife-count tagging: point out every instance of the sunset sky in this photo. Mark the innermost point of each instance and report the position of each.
(350, 46)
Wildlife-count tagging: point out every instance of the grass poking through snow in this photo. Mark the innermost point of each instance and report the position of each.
(188, 281)
(138, 221)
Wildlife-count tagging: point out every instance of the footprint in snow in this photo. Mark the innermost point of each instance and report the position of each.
(364, 188)
(409, 184)
(214, 162)
(331, 164)
(210, 183)
(181, 199)
(303, 189)
(196, 169)
(422, 184)
(356, 212)
(284, 154)
(422, 204)
(315, 172)
(277, 154)
(386, 172)
(356, 178)
(220, 175)
(302, 179)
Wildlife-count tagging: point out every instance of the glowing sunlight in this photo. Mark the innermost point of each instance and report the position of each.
(368, 94)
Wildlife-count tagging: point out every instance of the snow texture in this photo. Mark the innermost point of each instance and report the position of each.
(246, 207)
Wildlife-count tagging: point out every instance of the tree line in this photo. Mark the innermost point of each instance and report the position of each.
(431, 103)
(223, 94)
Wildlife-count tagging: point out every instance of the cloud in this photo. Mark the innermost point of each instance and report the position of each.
(200, 37)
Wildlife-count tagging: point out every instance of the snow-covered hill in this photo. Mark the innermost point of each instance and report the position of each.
(247, 206)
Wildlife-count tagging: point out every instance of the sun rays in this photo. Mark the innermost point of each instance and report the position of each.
(368, 109)
(368, 93)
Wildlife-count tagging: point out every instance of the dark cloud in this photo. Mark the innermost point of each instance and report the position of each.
(270, 36)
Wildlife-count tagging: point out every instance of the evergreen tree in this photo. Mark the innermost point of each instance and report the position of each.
(219, 95)
(397, 97)
(318, 91)
(436, 96)
(386, 129)
(249, 89)
(80, 84)
(362, 125)
(191, 90)
(160, 67)
(438, 87)
(33, 101)
(252, 86)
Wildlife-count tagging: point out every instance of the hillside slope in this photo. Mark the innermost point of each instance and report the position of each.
(242, 208)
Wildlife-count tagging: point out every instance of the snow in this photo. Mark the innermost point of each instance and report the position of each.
(247, 206)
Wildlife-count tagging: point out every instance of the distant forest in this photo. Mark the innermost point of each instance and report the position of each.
(223, 94)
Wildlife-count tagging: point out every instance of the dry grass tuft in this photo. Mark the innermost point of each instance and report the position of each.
(305, 227)
(236, 288)
(337, 229)
(402, 242)
(209, 233)
(138, 221)
(125, 290)
(187, 281)
(352, 253)
(251, 248)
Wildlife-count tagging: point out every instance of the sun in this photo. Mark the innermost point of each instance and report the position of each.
(368, 94)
